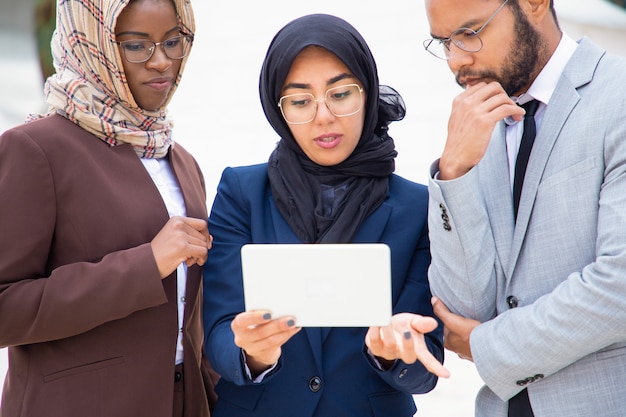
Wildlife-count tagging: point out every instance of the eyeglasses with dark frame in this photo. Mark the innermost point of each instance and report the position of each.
(465, 39)
(137, 51)
(342, 101)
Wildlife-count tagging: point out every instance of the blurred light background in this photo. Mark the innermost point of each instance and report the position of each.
(219, 118)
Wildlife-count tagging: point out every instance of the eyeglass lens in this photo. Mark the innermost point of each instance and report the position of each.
(137, 51)
(342, 101)
(464, 38)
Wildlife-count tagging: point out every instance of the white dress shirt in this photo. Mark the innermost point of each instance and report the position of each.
(541, 90)
(161, 173)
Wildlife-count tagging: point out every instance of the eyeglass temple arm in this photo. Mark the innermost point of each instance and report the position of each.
(493, 15)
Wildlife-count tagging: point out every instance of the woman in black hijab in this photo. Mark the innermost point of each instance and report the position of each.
(329, 180)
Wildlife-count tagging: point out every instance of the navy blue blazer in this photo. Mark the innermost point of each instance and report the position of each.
(322, 372)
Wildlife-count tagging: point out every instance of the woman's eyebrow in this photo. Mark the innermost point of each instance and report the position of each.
(297, 85)
(339, 78)
(333, 80)
(145, 35)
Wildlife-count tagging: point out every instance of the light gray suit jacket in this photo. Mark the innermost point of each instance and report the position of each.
(550, 291)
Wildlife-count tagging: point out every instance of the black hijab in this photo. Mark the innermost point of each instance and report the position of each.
(296, 180)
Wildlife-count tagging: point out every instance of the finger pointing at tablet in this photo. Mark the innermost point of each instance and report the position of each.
(403, 339)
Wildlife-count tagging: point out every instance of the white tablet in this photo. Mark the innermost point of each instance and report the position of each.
(322, 285)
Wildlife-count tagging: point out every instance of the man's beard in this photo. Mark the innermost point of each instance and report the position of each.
(520, 65)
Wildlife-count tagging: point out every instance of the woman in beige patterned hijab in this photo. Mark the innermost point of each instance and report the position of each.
(90, 86)
(103, 226)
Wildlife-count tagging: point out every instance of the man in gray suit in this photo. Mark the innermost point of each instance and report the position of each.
(531, 285)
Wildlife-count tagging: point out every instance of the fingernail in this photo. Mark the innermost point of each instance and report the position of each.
(407, 335)
(267, 316)
(291, 323)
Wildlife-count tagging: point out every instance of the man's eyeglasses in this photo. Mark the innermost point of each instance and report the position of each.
(342, 101)
(138, 51)
(463, 38)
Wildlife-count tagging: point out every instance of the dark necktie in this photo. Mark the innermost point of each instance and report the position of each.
(528, 138)
(519, 405)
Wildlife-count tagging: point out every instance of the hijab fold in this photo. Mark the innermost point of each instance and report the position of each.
(296, 180)
(89, 86)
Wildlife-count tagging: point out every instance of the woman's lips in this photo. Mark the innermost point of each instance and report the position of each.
(159, 84)
(328, 141)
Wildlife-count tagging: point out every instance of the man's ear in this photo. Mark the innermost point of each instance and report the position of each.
(535, 10)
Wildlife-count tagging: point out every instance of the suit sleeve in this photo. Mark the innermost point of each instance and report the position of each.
(37, 305)
(462, 271)
(229, 223)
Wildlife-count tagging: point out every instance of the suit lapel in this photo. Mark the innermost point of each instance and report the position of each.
(150, 194)
(282, 230)
(195, 206)
(192, 189)
(314, 334)
(579, 71)
(561, 105)
(372, 228)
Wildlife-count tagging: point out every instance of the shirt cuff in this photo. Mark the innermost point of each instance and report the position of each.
(376, 362)
(263, 374)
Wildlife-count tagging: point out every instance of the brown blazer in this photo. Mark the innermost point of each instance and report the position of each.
(91, 328)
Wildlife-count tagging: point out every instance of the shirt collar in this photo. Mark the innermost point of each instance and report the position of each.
(544, 85)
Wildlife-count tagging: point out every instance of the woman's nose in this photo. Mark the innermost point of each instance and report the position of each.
(323, 111)
(159, 60)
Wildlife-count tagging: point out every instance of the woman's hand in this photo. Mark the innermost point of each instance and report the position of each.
(182, 239)
(261, 338)
(404, 339)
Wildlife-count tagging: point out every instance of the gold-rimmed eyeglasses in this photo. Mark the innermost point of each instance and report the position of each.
(342, 101)
(137, 51)
(465, 39)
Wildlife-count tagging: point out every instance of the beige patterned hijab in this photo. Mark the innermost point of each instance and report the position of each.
(89, 87)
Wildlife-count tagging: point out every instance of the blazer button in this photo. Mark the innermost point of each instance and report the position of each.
(402, 373)
(529, 380)
(522, 382)
(445, 218)
(315, 383)
(512, 301)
